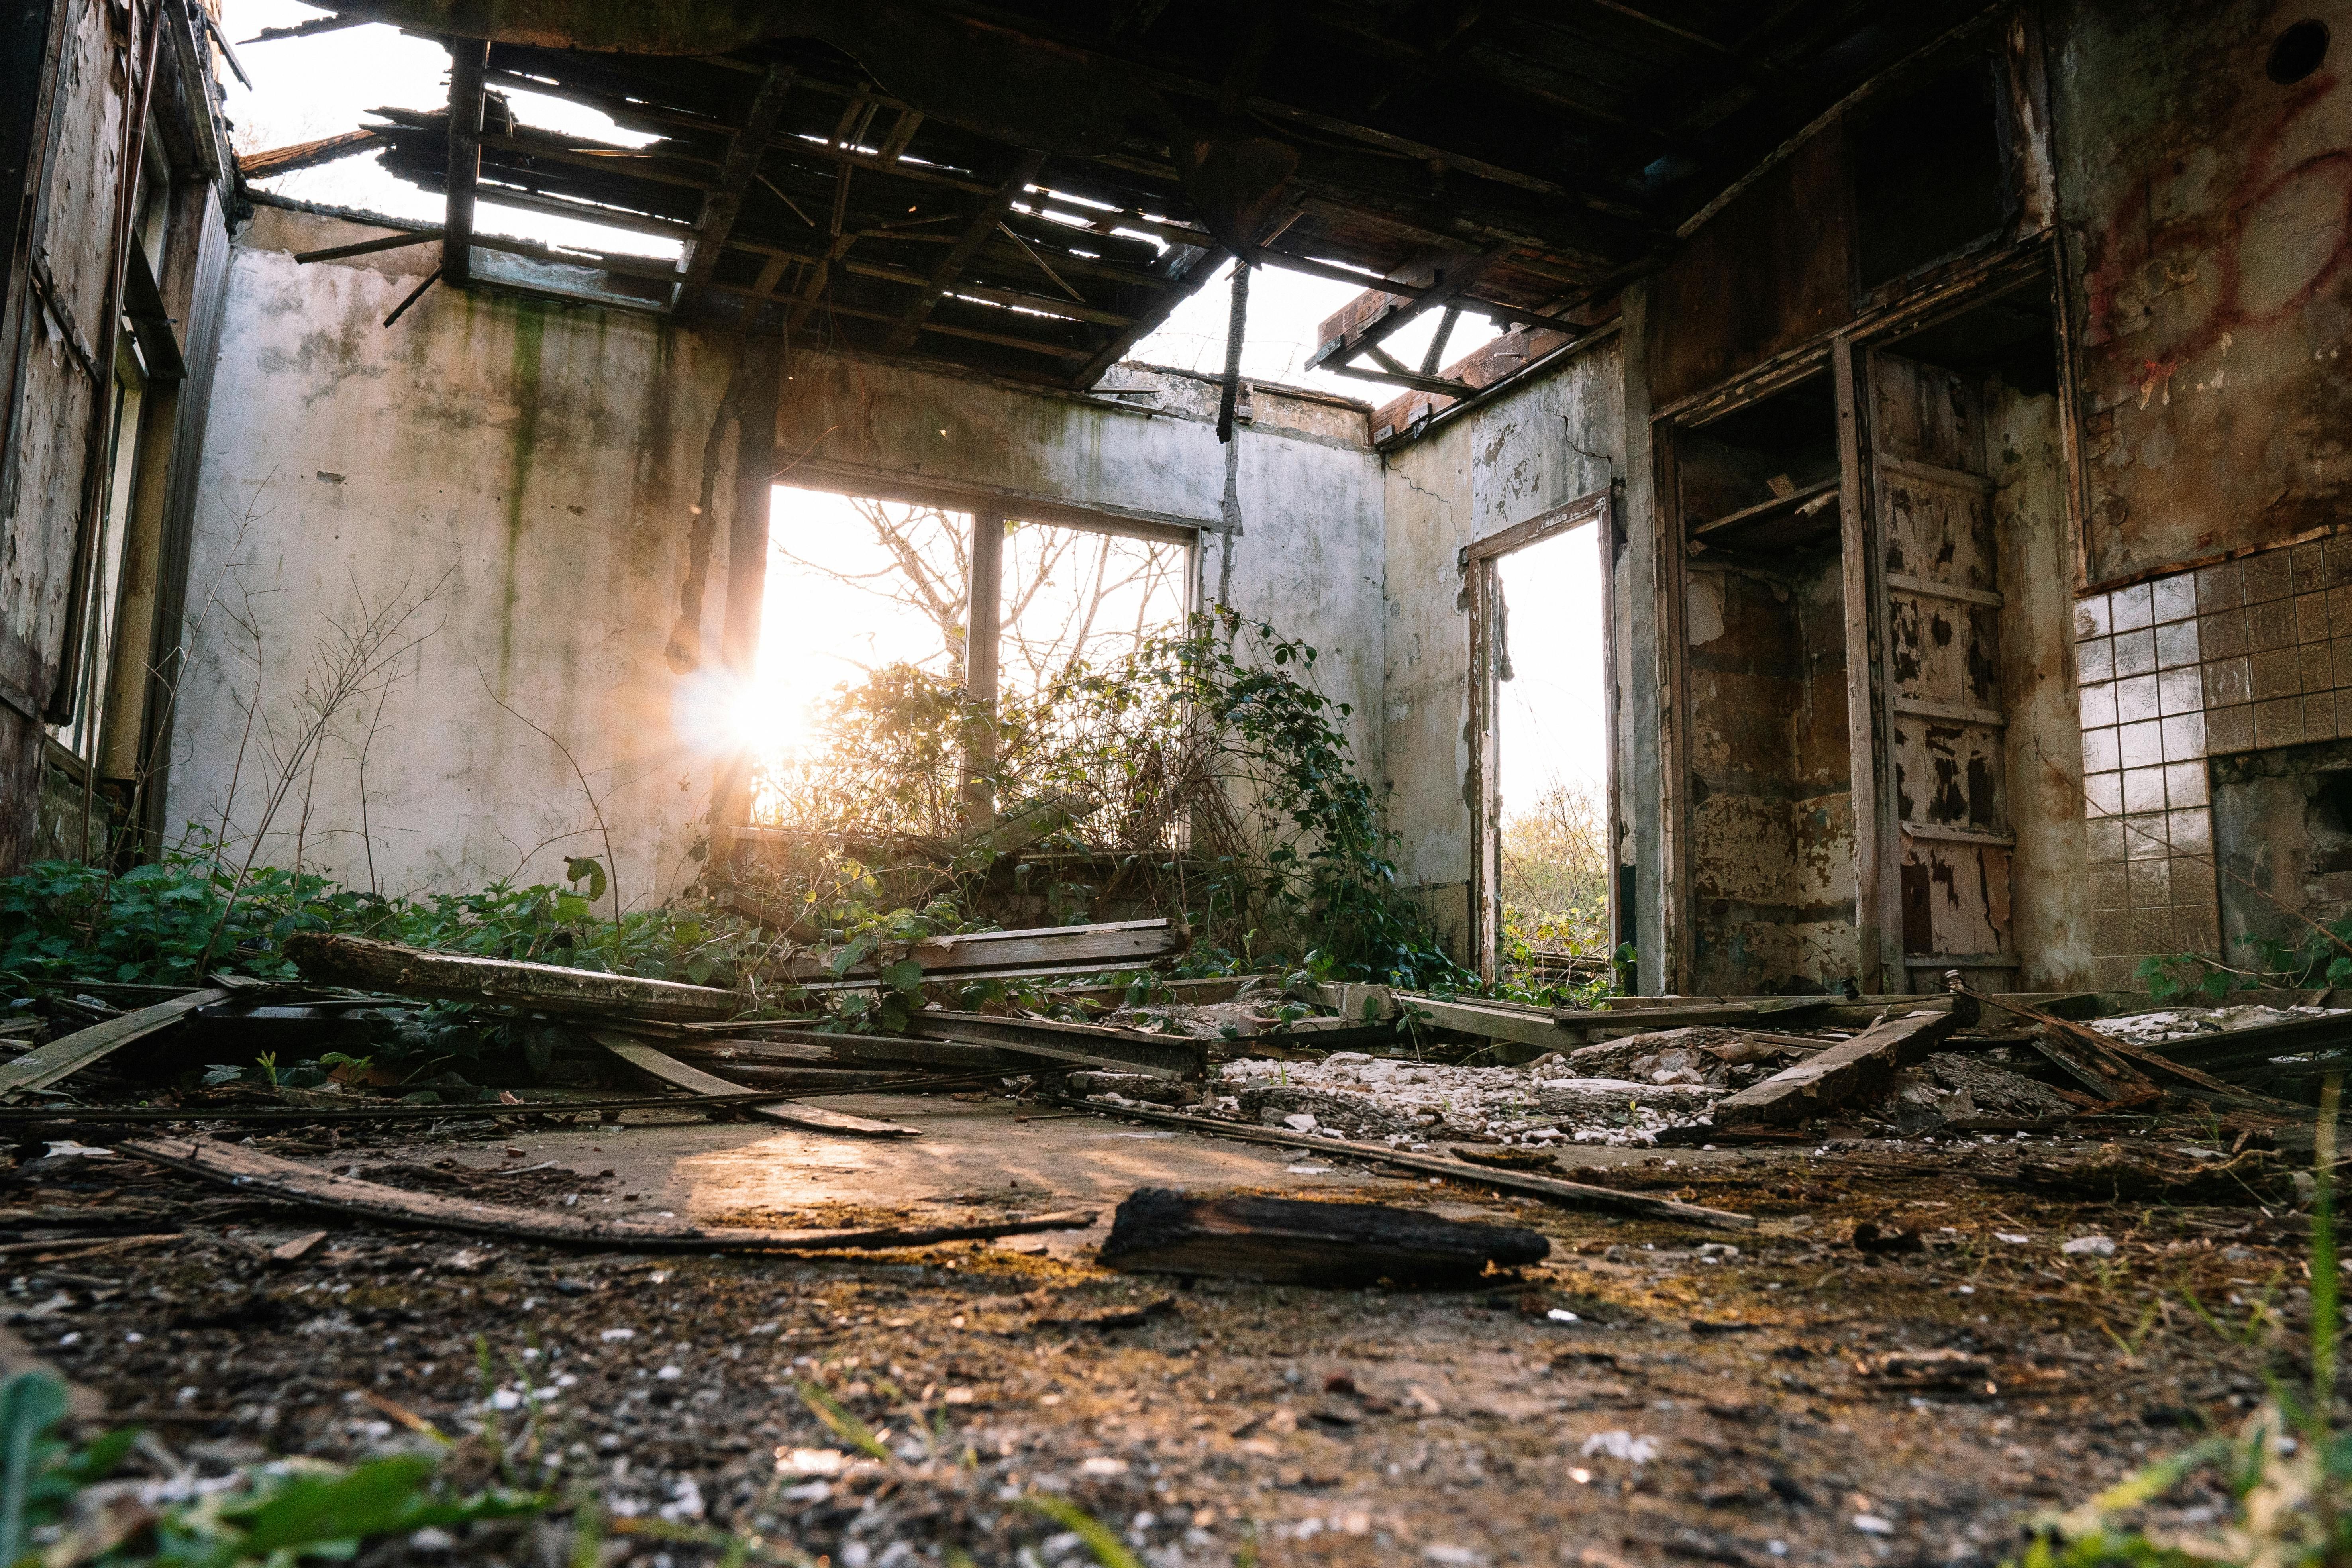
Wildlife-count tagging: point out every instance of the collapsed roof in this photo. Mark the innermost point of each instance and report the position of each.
(1029, 188)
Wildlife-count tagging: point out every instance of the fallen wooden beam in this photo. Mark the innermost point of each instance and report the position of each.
(1119, 944)
(694, 1080)
(366, 964)
(1859, 1068)
(1283, 1241)
(255, 1175)
(2123, 1052)
(1579, 1194)
(2235, 1048)
(1550, 1028)
(68, 1054)
(1083, 1045)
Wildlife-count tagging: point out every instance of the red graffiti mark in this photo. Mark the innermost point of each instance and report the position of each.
(2226, 236)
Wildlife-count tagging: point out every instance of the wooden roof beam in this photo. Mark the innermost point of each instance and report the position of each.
(1451, 277)
(724, 202)
(469, 58)
(975, 235)
(1495, 309)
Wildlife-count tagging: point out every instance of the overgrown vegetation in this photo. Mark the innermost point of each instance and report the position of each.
(2322, 959)
(2288, 1468)
(1554, 896)
(1226, 795)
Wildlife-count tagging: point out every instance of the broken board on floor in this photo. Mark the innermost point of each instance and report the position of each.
(1283, 1241)
(694, 1080)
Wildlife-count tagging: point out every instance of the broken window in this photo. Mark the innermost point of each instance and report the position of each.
(867, 598)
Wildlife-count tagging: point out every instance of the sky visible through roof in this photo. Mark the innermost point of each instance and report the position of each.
(818, 634)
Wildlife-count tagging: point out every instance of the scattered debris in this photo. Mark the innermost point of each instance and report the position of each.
(1862, 1067)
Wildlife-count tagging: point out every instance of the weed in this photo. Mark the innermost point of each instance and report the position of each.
(2289, 1490)
(1109, 1549)
(63, 1504)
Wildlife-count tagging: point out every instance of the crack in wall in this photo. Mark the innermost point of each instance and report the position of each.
(684, 649)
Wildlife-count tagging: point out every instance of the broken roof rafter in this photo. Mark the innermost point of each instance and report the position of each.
(724, 201)
(1565, 141)
(981, 226)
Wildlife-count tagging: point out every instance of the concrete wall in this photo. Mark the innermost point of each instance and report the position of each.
(1529, 451)
(511, 482)
(2206, 206)
(520, 482)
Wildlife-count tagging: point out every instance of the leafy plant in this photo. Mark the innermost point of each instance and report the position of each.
(2288, 1469)
(59, 1503)
(1224, 787)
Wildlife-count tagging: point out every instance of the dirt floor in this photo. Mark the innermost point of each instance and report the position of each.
(1650, 1395)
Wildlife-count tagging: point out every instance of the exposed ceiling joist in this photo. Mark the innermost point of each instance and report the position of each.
(1450, 279)
(984, 223)
(469, 58)
(724, 201)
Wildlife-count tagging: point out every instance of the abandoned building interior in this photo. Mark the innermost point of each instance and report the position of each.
(697, 866)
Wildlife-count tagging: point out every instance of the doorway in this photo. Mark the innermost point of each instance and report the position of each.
(1541, 688)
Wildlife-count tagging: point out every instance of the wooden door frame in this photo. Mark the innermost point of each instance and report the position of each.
(1477, 562)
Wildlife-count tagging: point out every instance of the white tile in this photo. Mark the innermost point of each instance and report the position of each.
(2143, 838)
(2136, 698)
(2174, 597)
(2105, 792)
(2184, 738)
(2192, 831)
(2180, 691)
(2134, 607)
(2091, 616)
(2143, 789)
(2098, 705)
(2099, 751)
(2095, 659)
(2176, 645)
(2141, 746)
(2135, 652)
(2184, 784)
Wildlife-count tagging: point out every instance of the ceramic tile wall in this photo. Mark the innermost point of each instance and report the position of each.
(2244, 655)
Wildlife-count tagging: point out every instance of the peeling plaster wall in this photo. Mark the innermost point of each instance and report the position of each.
(518, 476)
(2206, 208)
(523, 475)
(2050, 912)
(1515, 459)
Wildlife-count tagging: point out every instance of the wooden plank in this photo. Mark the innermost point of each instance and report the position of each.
(469, 58)
(68, 1054)
(2247, 1047)
(1575, 1194)
(307, 154)
(1081, 1044)
(366, 964)
(1286, 1241)
(1858, 1068)
(694, 1080)
(981, 226)
(255, 1175)
(724, 201)
(1119, 944)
